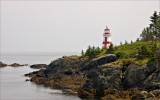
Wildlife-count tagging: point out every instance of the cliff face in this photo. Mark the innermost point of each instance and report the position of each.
(99, 78)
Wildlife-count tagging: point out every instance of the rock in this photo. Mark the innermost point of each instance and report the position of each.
(144, 93)
(27, 79)
(105, 77)
(93, 64)
(2, 64)
(16, 65)
(38, 66)
(133, 75)
(102, 78)
(150, 96)
(138, 97)
(156, 93)
(137, 74)
(68, 72)
(152, 82)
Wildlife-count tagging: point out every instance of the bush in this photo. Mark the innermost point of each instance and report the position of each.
(144, 50)
(111, 49)
(92, 52)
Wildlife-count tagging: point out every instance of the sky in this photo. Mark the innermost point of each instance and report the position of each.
(70, 26)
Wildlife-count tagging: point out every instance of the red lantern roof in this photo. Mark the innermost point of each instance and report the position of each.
(107, 28)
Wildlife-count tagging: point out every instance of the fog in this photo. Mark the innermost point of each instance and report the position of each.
(70, 26)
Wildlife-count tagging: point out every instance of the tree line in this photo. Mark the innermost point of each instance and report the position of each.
(150, 33)
(92, 51)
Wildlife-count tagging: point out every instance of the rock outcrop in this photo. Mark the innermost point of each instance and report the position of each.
(62, 73)
(137, 75)
(99, 78)
(93, 64)
(38, 66)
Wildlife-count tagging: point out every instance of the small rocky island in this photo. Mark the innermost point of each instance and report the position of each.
(12, 65)
(2, 64)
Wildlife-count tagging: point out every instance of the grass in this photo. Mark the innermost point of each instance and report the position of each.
(102, 53)
(121, 62)
(132, 49)
(128, 50)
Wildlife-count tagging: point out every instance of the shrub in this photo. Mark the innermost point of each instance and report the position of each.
(111, 49)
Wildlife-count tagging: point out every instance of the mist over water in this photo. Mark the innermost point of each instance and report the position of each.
(12, 80)
(33, 57)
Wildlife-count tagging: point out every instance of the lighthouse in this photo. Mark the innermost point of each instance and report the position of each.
(106, 38)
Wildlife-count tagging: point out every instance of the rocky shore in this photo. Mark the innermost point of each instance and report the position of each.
(101, 78)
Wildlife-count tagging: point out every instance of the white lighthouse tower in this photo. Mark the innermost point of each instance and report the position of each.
(106, 38)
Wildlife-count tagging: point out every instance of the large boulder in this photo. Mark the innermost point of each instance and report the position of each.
(93, 64)
(38, 66)
(135, 74)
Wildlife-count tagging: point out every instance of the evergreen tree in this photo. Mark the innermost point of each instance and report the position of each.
(154, 20)
(153, 49)
(152, 33)
(98, 50)
(82, 53)
(126, 42)
(111, 49)
(88, 51)
(147, 34)
(143, 51)
(121, 43)
(92, 53)
(137, 40)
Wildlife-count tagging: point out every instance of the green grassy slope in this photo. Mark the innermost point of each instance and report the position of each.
(132, 48)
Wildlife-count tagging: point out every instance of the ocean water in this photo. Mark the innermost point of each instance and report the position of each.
(12, 80)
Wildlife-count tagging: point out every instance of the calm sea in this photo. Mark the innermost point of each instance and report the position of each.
(12, 81)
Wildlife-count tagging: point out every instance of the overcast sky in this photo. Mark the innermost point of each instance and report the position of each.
(70, 26)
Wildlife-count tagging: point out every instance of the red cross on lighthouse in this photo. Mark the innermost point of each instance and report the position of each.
(107, 38)
(106, 42)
